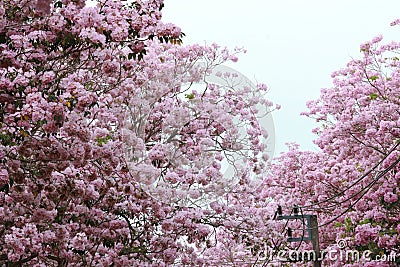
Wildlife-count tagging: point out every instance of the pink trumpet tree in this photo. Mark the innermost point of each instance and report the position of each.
(108, 155)
(353, 182)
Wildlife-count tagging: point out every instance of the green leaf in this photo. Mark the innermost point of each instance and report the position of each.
(189, 96)
(6, 139)
(103, 140)
(374, 78)
(52, 98)
(349, 225)
(58, 119)
(42, 122)
(373, 96)
(338, 224)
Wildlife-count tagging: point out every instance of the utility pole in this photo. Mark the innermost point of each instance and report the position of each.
(312, 230)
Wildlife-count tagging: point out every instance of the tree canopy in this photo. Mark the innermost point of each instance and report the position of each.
(113, 144)
(109, 156)
(352, 183)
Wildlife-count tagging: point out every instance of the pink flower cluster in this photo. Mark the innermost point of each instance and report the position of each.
(352, 182)
(108, 155)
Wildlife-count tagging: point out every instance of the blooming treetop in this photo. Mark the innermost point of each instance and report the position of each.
(96, 107)
(353, 182)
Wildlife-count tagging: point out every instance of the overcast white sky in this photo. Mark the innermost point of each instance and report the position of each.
(292, 45)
